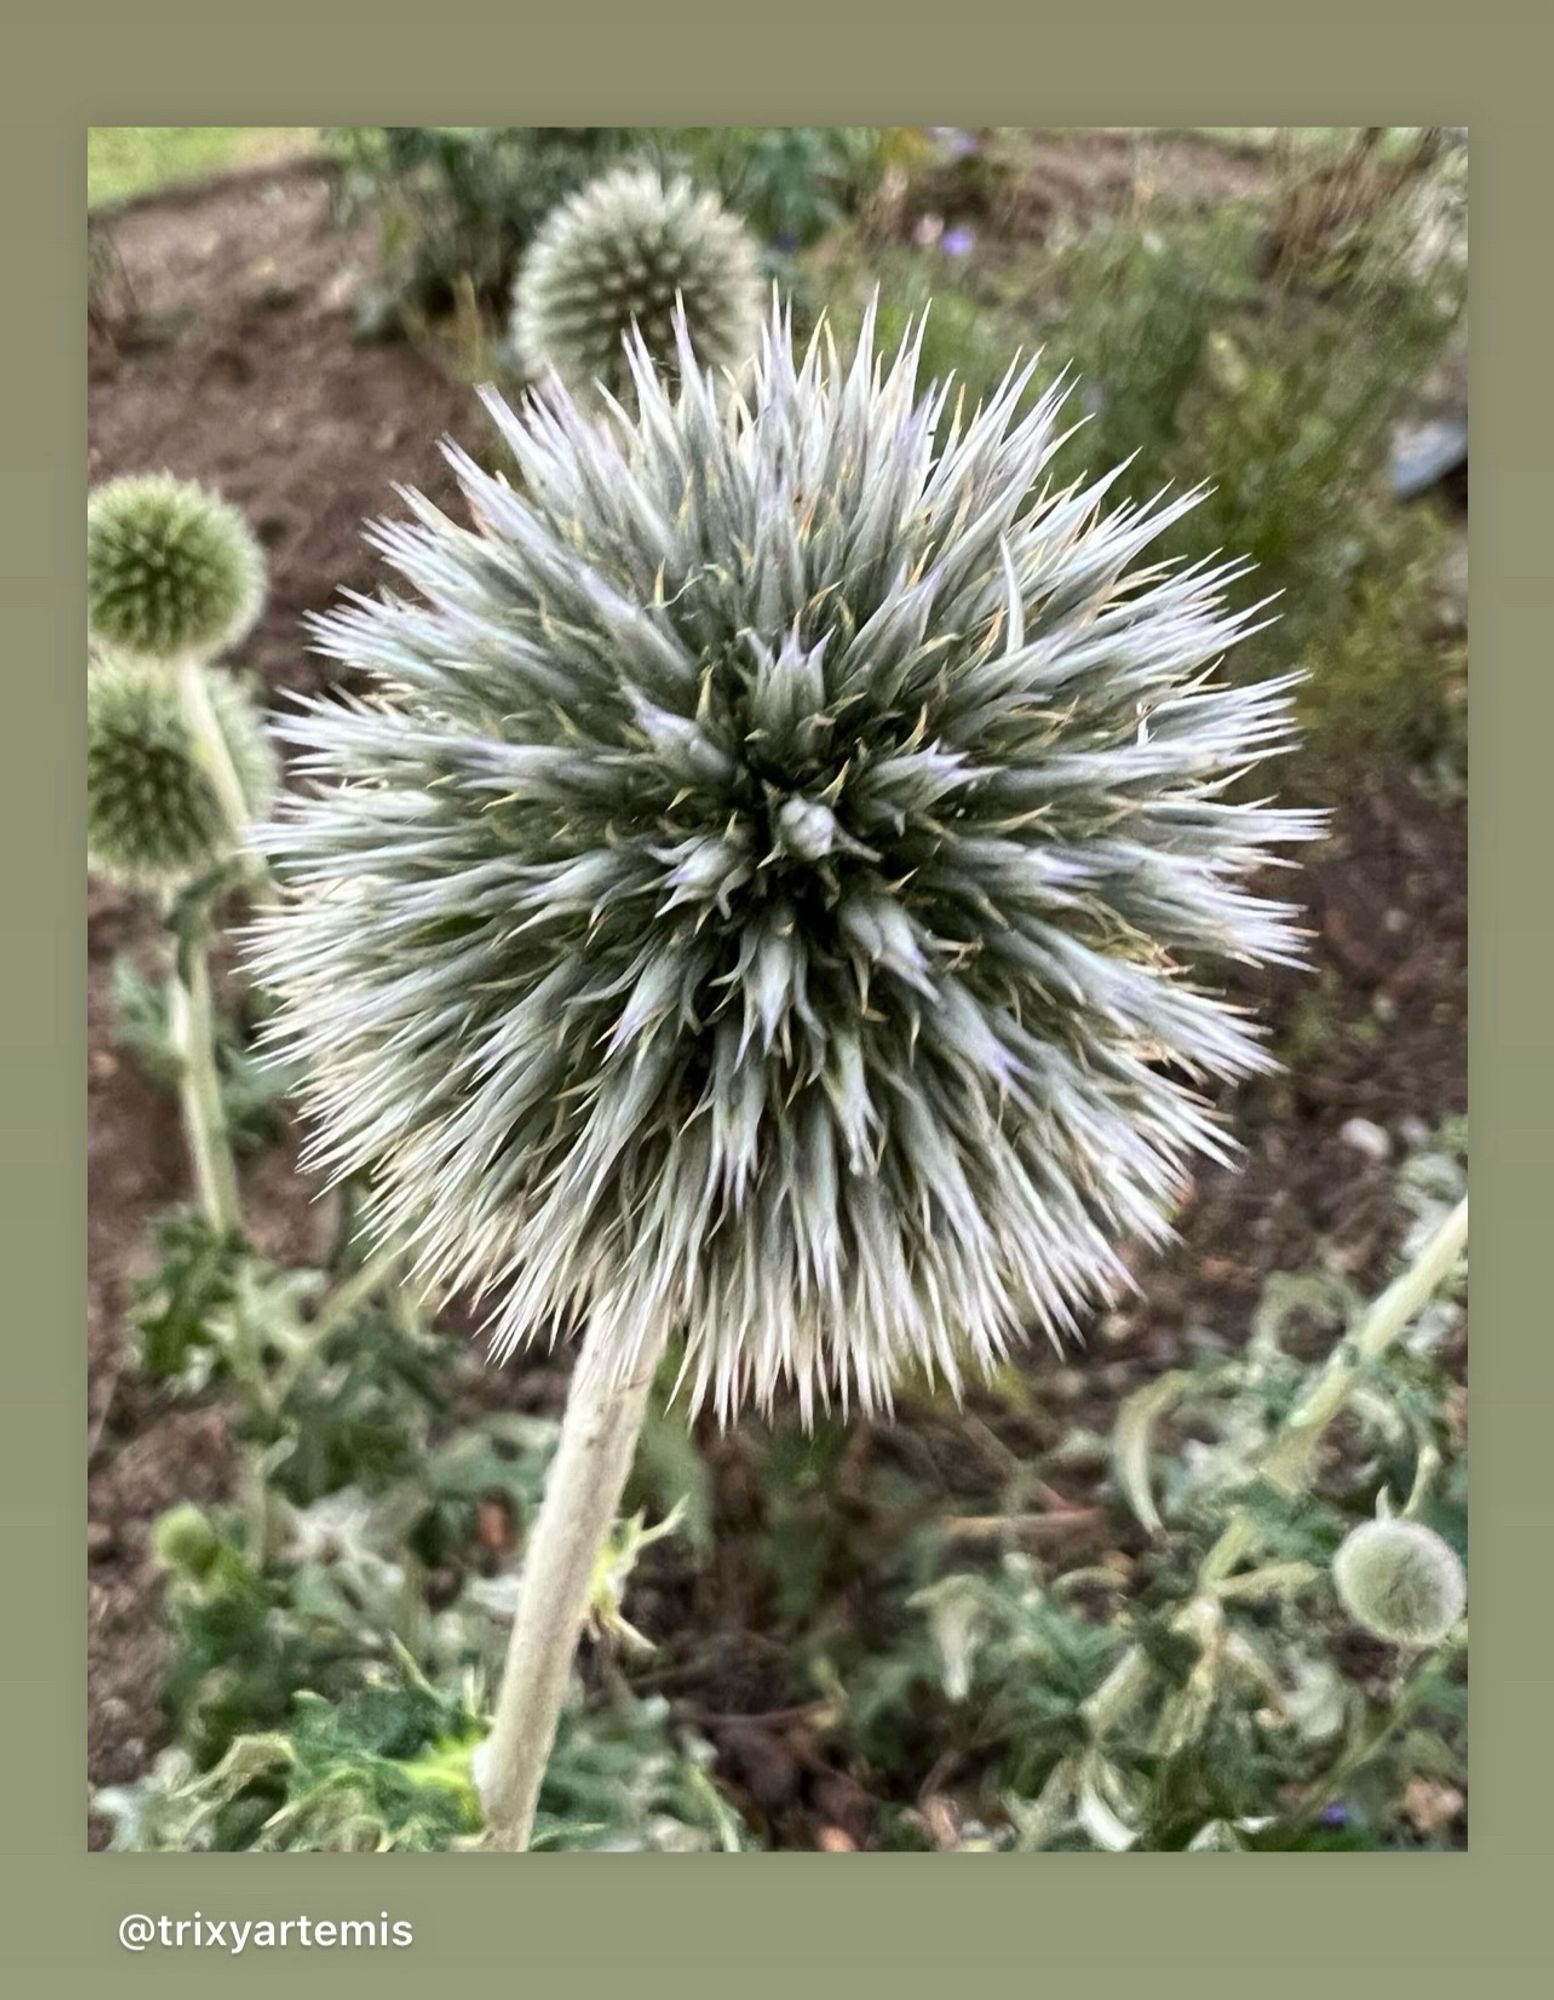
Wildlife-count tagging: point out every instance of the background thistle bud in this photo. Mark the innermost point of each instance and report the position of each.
(771, 894)
(618, 253)
(153, 815)
(171, 569)
(184, 1539)
(1401, 1581)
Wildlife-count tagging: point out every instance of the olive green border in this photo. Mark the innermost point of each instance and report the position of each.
(1141, 1925)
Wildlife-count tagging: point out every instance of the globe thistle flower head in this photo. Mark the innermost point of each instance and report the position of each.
(620, 254)
(153, 812)
(767, 891)
(171, 569)
(1401, 1581)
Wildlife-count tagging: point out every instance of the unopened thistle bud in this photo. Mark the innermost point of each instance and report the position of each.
(171, 569)
(183, 1539)
(154, 815)
(620, 254)
(1401, 1581)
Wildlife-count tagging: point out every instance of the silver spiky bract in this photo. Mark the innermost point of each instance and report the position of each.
(171, 569)
(619, 254)
(154, 816)
(1401, 1581)
(765, 892)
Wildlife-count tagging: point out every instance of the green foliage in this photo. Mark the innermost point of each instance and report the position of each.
(240, 1650)
(791, 183)
(669, 1471)
(387, 1768)
(803, 1543)
(173, 1312)
(253, 1089)
(966, 335)
(459, 204)
(620, 1780)
(1200, 1694)
(331, 1631)
(351, 1410)
(1139, 307)
(123, 161)
(1273, 362)
(985, 1664)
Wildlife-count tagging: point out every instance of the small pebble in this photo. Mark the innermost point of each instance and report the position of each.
(1367, 1138)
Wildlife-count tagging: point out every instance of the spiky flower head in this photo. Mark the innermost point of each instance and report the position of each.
(1401, 1581)
(153, 813)
(620, 253)
(171, 569)
(765, 892)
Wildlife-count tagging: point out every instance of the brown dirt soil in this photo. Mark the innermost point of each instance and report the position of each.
(223, 350)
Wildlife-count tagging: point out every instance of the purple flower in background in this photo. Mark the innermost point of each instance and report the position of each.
(1335, 1815)
(960, 145)
(958, 242)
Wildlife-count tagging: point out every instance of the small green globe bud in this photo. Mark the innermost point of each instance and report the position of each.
(184, 1539)
(1401, 1582)
(171, 569)
(619, 255)
(153, 814)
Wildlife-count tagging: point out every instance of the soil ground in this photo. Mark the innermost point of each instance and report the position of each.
(224, 350)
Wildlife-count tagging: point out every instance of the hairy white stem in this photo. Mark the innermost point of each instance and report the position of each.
(191, 1023)
(582, 1492)
(200, 714)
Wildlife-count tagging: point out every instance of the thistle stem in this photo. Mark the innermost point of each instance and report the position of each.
(352, 1294)
(337, 1311)
(599, 1434)
(1289, 1459)
(200, 714)
(191, 1020)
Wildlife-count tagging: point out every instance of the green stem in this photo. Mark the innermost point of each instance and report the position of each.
(1288, 1460)
(336, 1311)
(191, 1019)
(200, 714)
(1406, 1695)
(1124, 1687)
(353, 1293)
